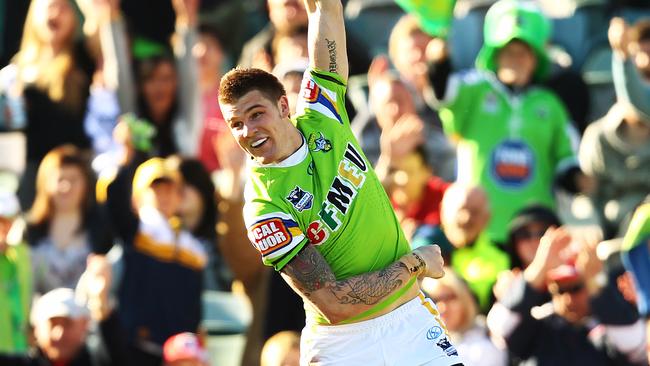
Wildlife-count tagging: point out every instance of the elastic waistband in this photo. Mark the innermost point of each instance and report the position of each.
(362, 326)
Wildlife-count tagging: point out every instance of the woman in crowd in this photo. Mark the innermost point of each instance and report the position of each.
(46, 85)
(459, 310)
(64, 225)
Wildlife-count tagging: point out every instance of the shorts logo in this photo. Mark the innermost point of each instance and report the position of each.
(317, 233)
(319, 143)
(447, 347)
(434, 333)
(512, 163)
(269, 235)
(300, 199)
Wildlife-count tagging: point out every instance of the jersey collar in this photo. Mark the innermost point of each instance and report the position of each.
(294, 159)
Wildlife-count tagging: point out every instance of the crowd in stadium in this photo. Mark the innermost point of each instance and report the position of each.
(516, 137)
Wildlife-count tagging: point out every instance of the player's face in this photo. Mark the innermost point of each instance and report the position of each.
(262, 127)
(570, 300)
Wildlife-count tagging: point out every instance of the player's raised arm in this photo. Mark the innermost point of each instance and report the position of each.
(327, 50)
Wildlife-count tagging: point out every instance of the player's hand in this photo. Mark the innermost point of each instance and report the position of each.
(437, 50)
(618, 37)
(186, 12)
(432, 256)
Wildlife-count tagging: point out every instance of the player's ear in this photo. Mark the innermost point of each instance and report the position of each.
(283, 106)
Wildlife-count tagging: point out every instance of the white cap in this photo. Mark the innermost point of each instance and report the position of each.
(60, 302)
(9, 205)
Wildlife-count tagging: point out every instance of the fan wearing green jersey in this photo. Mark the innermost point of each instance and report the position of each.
(317, 213)
(513, 136)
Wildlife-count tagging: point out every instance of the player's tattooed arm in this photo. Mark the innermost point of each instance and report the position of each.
(327, 46)
(311, 276)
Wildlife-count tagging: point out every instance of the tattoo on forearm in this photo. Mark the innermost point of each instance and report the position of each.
(310, 272)
(331, 49)
(369, 289)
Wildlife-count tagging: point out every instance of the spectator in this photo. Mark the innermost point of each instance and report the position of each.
(525, 230)
(464, 215)
(284, 16)
(15, 277)
(198, 212)
(64, 224)
(185, 349)
(416, 194)
(395, 128)
(513, 136)
(459, 311)
(615, 148)
(46, 86)
(282, 349)
(61, 326)
(160, 293)
(209, 54)
(581, 325)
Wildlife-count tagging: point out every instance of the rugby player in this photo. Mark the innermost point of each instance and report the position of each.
(317, 213)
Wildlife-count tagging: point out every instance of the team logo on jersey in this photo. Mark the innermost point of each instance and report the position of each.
(310, 168)
(318, 98)
(319, 143)
(271, 235)
(300, 199)
(512, 163)
(317, 233)
(447, 347)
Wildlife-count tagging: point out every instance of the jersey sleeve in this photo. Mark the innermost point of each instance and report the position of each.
(322, 94)
(273, 233)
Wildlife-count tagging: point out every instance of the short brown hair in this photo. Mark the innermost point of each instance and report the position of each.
(239, 81)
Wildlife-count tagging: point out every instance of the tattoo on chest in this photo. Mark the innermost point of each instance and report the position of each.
(331, 49)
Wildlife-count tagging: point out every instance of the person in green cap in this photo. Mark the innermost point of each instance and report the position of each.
(513, 136)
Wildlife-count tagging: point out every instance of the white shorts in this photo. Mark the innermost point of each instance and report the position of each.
(410, 335)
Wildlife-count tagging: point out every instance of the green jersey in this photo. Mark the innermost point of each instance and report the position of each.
(511, 144)
(326, 193)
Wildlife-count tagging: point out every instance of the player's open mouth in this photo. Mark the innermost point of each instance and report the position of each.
(258, 143)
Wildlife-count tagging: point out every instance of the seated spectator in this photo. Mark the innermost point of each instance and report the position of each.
(581, 325)
(282, 349)
(15, 278)
(459, 311)
(160, 293)
(64, 225)
(615, 149)
(416, 193)
(62, 325)
(184, 349)
(513, 135)
(464, 215)
(46, 86)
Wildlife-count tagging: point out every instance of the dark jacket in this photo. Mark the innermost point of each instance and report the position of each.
(552, 340)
